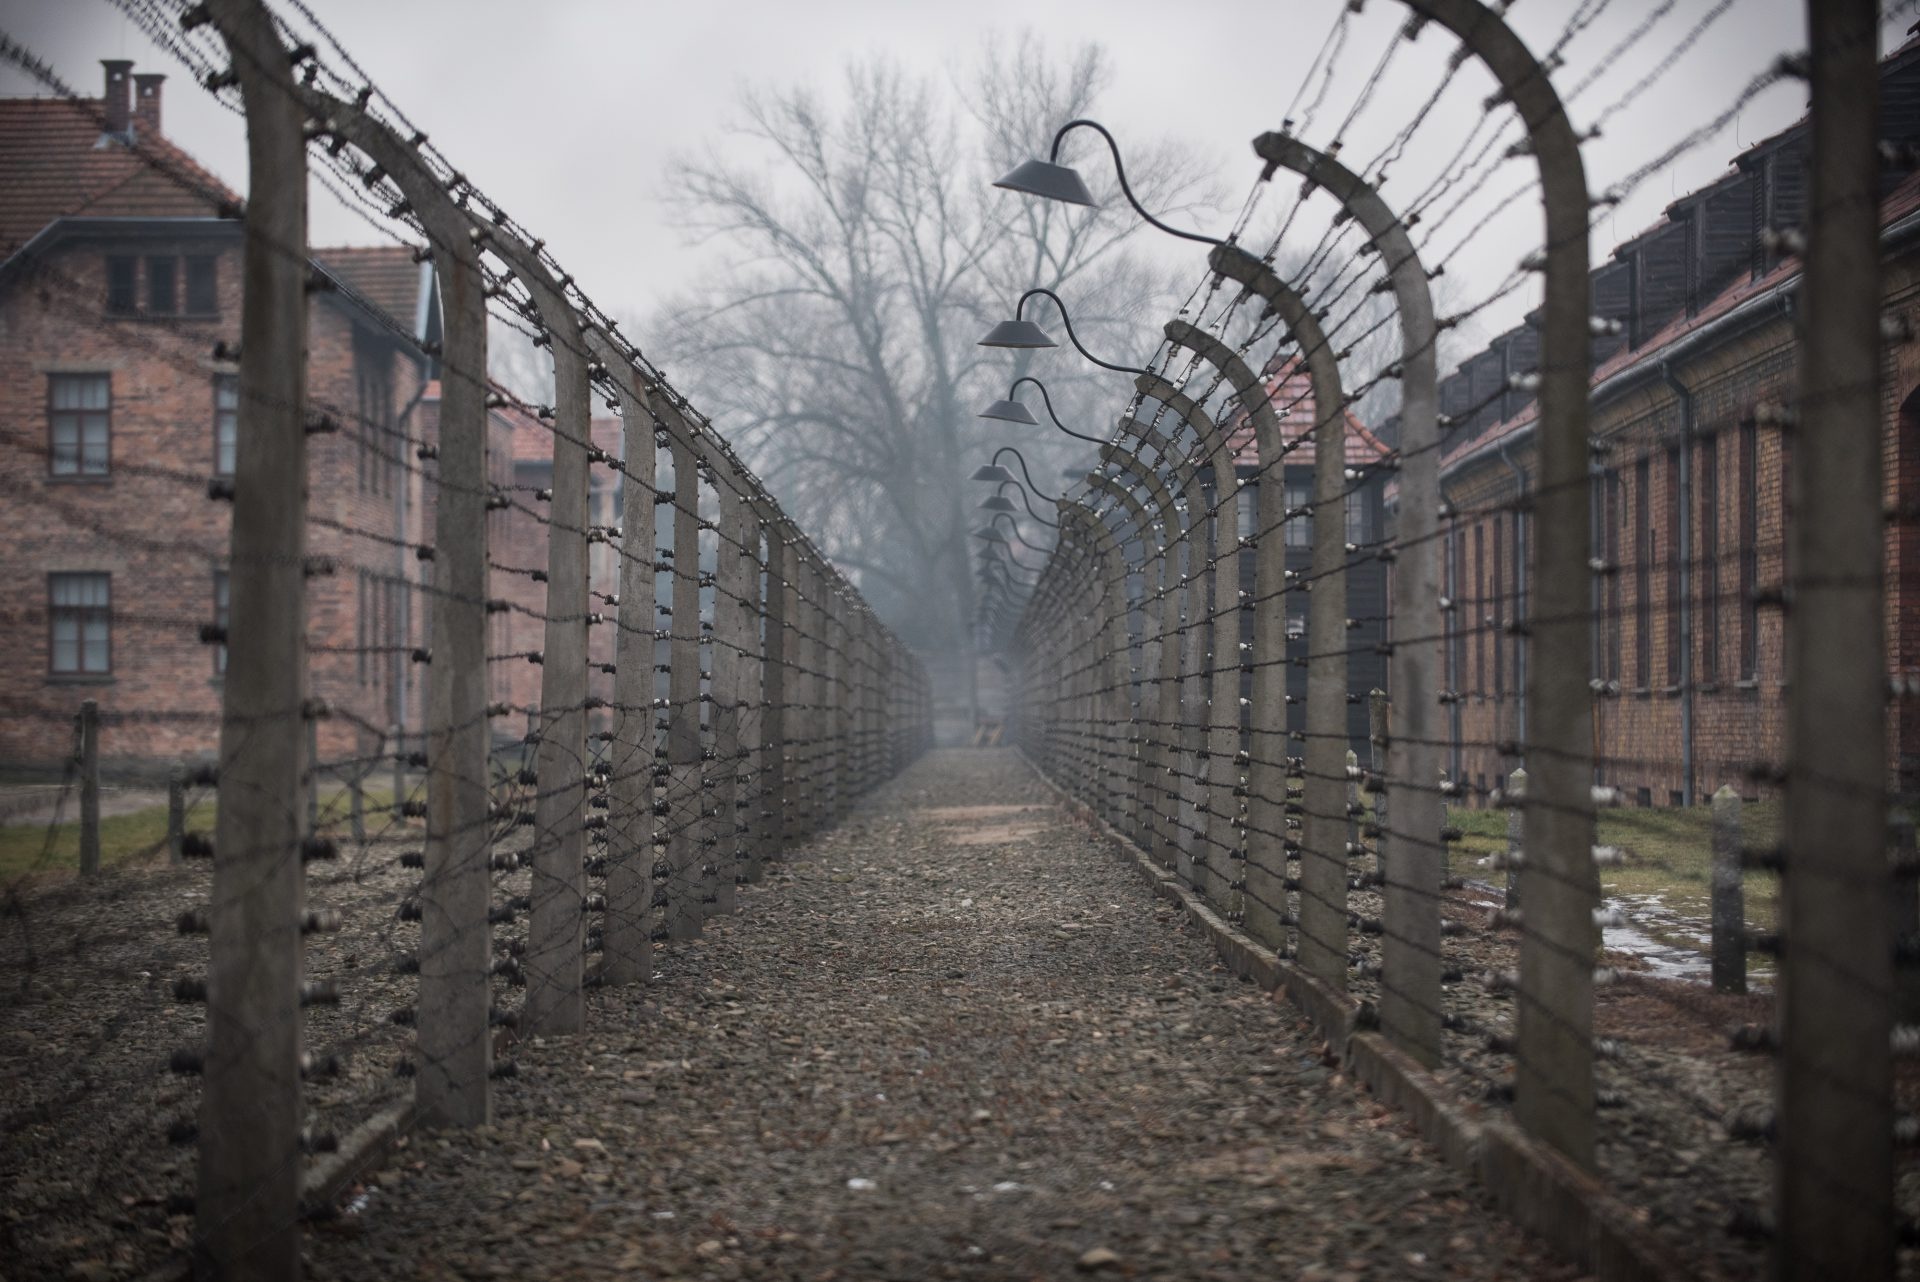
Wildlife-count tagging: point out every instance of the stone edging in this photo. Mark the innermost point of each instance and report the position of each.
(1535, 1187)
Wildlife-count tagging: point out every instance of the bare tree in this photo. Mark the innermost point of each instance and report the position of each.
(871, 253)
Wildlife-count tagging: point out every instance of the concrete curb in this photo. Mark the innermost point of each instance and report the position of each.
(1536, 1188)
(360, 1151)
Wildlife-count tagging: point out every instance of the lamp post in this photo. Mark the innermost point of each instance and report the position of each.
(1021, 334)
(1051, 180)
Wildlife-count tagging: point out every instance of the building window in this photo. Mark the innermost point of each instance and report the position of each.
(1749, 551)
(80, 622)
(220, 621)
(163, 285)
(203, 298)
(121, 289)
(78, 410)
(1643, 550)
(1299, 529)
(226, 422)
(1358, 532)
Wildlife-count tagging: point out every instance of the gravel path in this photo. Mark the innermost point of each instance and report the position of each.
(952, 1038)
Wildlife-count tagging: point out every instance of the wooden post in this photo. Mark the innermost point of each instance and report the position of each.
(176, 815)
(357, 805)
(1377, 730)
(89, 788)
(247, 1201)
(313, 776)
(397, 742)
(1729, 897)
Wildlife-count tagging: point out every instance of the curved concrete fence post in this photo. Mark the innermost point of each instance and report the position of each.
(1559, 883)
(1219, 767)
(1213, 612)
(629, 923)
(454, 1040)
(1144, 667)
(1413, 856)
(554, 964)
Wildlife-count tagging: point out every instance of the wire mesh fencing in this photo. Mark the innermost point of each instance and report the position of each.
(1555, 746)
(573, 716)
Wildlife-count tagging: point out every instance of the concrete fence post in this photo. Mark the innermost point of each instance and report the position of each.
(248, 1197)
(626, 931)
(176, 815)
(1834, 1164)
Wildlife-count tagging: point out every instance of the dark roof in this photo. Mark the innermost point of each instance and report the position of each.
(385, 276)
(1902, 204)
(57, 162)
(1290, 391)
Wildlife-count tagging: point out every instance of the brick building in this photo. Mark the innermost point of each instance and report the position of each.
(120, 277)
(1688, 489)
(1290, 392)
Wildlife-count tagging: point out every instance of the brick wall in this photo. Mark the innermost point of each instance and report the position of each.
(150, 526)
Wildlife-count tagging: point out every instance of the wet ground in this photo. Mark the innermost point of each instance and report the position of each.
(953, 1038)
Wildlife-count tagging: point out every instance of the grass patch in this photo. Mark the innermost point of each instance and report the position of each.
(141, 836)
(1668, 856)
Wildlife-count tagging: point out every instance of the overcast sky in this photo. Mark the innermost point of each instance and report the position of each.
(567, 111)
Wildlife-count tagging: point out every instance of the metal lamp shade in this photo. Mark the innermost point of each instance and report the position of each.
(993, 472)
(1048, 181)
(998, 503)
(1017, 333)
(1010, 412)
(990, 533)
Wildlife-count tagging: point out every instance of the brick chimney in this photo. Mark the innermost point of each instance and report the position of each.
(115, 100)
(146, 102)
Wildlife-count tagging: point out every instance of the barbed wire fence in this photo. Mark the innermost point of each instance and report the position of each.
(710, 695)
(1430, 888)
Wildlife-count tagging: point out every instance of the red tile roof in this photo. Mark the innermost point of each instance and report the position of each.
(385, 275)
(1290, 392)
(1902, 202)
(56, 162)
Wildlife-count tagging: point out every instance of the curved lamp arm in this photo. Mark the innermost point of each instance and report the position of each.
(1120, 172)
(1000, 488)
(1048, 402)
(1018, 457)
(1067, 320)
(1015, 527)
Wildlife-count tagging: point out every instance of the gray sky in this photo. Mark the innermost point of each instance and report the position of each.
(567, 111)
